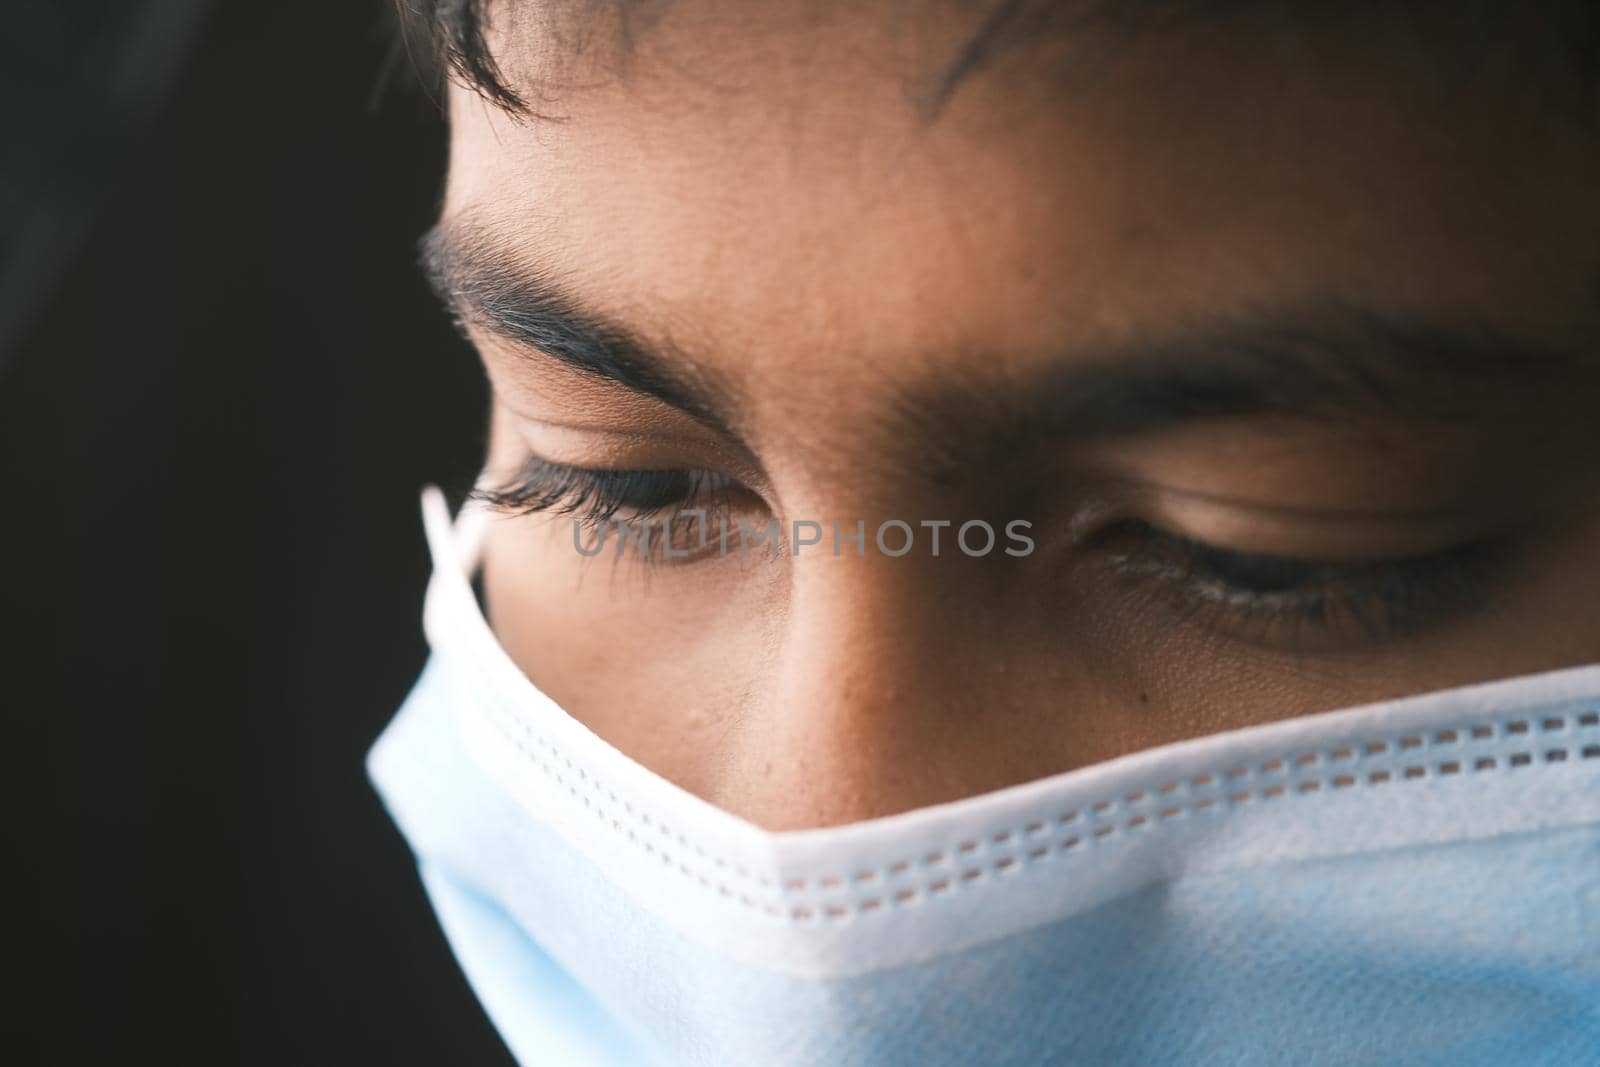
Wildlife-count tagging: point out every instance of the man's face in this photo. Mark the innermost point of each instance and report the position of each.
(1276, 339)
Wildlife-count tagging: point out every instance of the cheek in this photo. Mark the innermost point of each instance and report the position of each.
(654, 659)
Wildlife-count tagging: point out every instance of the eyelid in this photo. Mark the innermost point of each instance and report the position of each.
(1330, 605)
(1405, 473)
(592, 447)
(534, 388)
(1258, 527)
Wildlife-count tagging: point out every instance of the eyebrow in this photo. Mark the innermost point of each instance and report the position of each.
(1330, 360)
(482, 286)
(1325, 360)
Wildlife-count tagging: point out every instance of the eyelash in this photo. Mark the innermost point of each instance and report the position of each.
(1282, 599)
(1255, 595)
(595, 496)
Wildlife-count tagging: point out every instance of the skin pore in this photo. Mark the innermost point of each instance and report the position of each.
(1283, 341)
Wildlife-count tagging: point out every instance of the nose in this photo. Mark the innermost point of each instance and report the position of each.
(889, 690)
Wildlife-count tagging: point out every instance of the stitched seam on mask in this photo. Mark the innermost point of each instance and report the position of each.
(1586, 748)
(1093, 822)
(608, 817)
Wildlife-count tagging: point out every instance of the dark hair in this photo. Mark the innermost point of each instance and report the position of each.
(446, 38)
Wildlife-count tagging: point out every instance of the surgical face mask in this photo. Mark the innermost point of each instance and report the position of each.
(1413, 882)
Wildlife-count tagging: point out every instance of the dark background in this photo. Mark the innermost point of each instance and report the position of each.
(223, 391)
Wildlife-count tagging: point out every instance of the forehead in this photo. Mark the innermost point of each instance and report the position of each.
(775, 194)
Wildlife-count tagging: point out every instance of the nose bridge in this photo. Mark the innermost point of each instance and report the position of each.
(860, 712)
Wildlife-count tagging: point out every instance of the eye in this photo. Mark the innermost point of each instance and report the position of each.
(1281, 599)
(595, 496)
